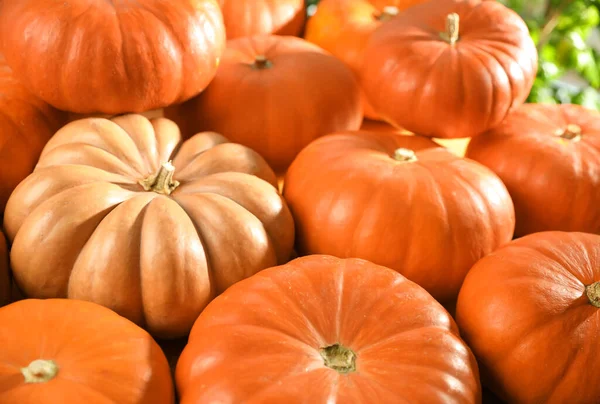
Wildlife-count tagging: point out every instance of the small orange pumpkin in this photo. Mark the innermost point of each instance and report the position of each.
(399, 201)
(449, 68)
(73, 352)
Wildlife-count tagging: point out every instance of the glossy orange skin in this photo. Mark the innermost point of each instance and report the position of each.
(430, 220)
(262, 17)
(524, 312)
(418, 81)
(113, 57)
(26, 124)
(101, 356)
(259, 342)
(83, 227)
(5, 280)
(277, 111)
(343, 27)
(554, 182)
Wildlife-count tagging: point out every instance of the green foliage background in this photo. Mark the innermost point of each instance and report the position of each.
(560, 29)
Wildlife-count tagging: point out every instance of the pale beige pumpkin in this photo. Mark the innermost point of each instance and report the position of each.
(95, 222)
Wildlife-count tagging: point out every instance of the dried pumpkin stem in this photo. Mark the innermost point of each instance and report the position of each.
(387, 13)
(162, 182)
(452, 29)
(261, 62)
(404, 155)
(571, 132)
(339, 358)
(593, 294)
(40, 371)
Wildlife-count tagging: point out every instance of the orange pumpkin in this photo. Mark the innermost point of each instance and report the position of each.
(275, 95)
(549, 158)
(258, 17)
(530, 313)
(321, 329)
(112, 57)
(121, 213)
(449, 68)
(5, 281)
(26, 124)
(343, 28)
(73, 352)
(401, 202)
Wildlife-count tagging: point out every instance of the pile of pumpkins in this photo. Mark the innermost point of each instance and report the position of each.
(356, 207)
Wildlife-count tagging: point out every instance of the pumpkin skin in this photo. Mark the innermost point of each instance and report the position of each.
(156, 259)
(137, 56)
(343, 27)
(267, 338)
(5, 280)
(278, 105)
(101, 356)
(263, 17)
(547, 153)
(430, 216)
(526, 312)
(417, 80)
(26, 124)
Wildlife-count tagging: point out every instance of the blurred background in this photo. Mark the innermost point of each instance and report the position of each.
(568, 40)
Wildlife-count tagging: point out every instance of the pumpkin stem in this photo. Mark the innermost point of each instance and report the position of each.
(162, 182)
(404, 155)
(40, 371)
(339, 358)
(452, 29)
(571, 132)
(593, 294)
(261, 62)
(387, 13)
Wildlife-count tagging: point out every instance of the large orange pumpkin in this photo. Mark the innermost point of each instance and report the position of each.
(119, 212)
(321, 329)
(257, 17)
(400, 202)
(343, 28)
(74, 352)
(274, 94)
(5, 281)
(26, 124)
(549, 158)
(112, 57)
(530, 313)
(449, 68)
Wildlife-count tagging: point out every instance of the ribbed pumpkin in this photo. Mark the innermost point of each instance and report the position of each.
(398, 201)
(549, 158)
(343, 27)
(74, 352)
(26, 124)
(530, 313)
(122, 213)
(449, 68)
(275, 95)
(112, 57)
(325, 330)
(262, 17)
